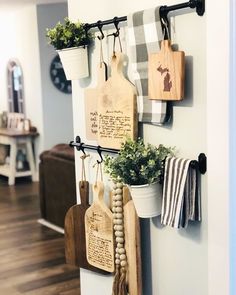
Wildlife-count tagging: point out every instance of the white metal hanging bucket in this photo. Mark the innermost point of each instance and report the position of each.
(147, 199)
(75, 62)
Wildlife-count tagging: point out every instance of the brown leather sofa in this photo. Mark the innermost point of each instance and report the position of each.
(57, 183)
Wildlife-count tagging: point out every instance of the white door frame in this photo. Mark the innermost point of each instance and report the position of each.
(232, 121)
(218, 127)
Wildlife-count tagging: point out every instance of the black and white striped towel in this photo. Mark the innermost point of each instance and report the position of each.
(145, 32)
(181, 197)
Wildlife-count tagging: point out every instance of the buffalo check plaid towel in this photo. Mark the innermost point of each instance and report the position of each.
(145, 32)
(181, 198)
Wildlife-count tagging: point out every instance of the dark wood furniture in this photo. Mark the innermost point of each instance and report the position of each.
(57, 183)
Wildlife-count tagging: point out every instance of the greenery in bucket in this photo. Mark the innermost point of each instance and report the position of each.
(68, 35)
(137, 163)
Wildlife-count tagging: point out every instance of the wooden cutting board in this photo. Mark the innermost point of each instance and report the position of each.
(75, 247)
(132, 245)
(99, 232)
(117, 107)
(91, 105)
(166, 71)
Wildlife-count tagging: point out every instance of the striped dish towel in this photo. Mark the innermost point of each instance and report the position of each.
(181, 197)
(145, 32)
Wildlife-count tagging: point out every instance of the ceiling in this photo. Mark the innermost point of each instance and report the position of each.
(15, 4)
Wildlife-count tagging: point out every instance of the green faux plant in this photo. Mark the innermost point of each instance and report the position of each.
(137, 163)
(68, 35)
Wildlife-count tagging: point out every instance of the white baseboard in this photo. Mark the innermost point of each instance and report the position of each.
(51, 225)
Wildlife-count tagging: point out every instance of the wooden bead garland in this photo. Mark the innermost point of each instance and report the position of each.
(119, 284)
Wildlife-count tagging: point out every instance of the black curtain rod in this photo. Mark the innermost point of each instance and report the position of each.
(164, 10)
(200, 164)
(80, 146)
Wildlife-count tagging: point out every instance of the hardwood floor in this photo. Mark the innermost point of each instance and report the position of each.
(31, 256)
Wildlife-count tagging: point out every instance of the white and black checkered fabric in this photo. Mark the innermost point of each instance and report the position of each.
(145, 32)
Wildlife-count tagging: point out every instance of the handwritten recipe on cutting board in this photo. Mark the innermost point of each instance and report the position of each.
(117, 109)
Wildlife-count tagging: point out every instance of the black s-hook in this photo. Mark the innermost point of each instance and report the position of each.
(165, 26)
(116, 34)
(116, 24)
(100, 155)
(99, 25)
(82, 148)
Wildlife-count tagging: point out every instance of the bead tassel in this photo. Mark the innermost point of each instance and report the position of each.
(122, 282)
(119, 282)
(115, 287)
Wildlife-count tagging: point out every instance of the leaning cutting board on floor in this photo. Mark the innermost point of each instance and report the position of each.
(117, 107)
(132, 245)
(99, 231)
(91, 105)
(166, 72)
(75, 247)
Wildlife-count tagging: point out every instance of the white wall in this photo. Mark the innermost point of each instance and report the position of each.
(49, 109)
(179, 257)
(24, 39)
(27, 45)
(57, 106)
(21, 42)
(8, 50)
(174, 262)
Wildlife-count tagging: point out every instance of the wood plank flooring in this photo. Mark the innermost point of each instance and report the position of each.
(32, 257)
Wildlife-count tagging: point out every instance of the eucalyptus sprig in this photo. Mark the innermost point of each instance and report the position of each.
(68, 35)
(137, 163)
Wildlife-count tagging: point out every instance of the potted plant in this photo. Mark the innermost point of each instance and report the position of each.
(141, 167)
(71, 41)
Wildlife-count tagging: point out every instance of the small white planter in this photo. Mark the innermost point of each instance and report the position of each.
(75, 62)
(147, 199)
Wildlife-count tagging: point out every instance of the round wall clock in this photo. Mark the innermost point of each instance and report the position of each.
(58, 76)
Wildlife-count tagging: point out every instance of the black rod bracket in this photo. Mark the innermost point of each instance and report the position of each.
(202, 163)
(200, 6)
